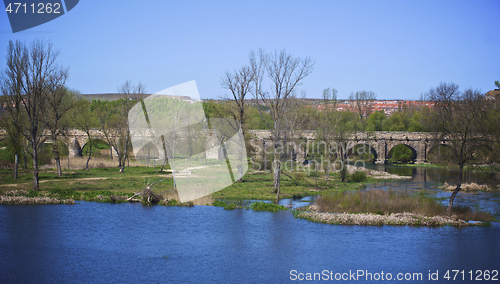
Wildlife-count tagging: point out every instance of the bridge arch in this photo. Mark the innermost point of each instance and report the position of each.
(353, 149)
(95, 142)
(437, 152)
(414, 152)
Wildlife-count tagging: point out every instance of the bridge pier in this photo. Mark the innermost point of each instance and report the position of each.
(74, 149)
(421, 148)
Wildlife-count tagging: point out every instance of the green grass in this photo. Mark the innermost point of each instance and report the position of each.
(98, 179)
(259, 186)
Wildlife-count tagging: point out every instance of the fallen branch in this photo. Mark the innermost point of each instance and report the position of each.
(130, 198)
(285, 174)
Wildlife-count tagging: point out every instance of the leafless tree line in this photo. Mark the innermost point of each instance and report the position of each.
(33, 85)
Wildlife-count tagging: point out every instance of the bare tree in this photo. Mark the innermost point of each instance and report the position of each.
(114, 121)
(84, 118)
(459, 118)
(11, 86)
(285, 73)
(122, 145)
(58, 103)
(293, 120)
(362, 103)
(34, 68)
(240, 85)
(327, 129)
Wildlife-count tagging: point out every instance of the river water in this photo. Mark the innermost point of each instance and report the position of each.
(130, 243)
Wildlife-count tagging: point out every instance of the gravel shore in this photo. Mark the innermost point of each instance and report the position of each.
(379, 220)
(17, 197)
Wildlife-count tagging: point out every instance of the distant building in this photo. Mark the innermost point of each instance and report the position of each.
(387, 106)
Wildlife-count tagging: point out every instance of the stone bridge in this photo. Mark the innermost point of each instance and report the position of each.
(380, 143)
(74, 139)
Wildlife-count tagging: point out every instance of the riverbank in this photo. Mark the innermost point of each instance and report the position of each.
(101, 184)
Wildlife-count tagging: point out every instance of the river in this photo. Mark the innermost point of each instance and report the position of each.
(130, 243)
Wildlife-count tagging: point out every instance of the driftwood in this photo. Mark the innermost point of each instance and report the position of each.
(130, 198)
(147, 194)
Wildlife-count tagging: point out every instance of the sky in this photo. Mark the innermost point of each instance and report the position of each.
(397, 49)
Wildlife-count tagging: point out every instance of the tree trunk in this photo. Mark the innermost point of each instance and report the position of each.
(36, 183)
(240, 164)
(277, 170)
(90, 153)
(343, 166)
(16, 164)
(57, 158)
(58, 165)
(328, 169)
(173, 171)
(25, 158)
(316, 170)
(119, 159)
(459, 184)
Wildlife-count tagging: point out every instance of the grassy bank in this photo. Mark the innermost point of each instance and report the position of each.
(101, 184)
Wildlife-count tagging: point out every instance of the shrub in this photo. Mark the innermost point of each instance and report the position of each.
(359, 176)
(172, 202)
(263, 206)
(218, 203)
(230, 206)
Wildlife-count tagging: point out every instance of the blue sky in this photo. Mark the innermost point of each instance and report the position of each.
(397, 49)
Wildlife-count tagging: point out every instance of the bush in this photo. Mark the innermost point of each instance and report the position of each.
(227, 206)
(230, 206)
(359, 176)
(172, 202)
(263, 206)
(219, 203)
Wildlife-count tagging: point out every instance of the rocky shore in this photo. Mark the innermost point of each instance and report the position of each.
(387, 219)
(19, 197)
(375, 174)
(467, 187)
